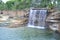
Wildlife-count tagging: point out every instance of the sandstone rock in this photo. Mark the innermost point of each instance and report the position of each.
(17, 23)
(54, 16)
(53, 21)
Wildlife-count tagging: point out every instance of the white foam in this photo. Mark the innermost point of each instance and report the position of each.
(39, 27)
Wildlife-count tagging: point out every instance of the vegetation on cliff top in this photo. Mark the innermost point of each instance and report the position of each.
(22, 4)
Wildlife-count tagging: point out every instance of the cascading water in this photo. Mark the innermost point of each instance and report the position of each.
(37, 18)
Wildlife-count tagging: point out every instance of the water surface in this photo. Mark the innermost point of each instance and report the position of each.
(25, 33)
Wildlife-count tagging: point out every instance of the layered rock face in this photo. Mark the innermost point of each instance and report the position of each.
(54, 16)
(53, 21)
(15, 18)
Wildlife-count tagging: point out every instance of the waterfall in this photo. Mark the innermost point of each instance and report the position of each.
(37, 18)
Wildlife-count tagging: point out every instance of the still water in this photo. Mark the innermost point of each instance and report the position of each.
(25, 33)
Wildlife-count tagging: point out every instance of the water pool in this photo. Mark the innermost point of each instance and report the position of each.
(25, 33)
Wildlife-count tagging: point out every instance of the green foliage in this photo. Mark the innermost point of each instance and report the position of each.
(22, 4)
(9, 5)
(44, 3)
(15, 5)
(2, 5)
(51, 5)
(18, 4)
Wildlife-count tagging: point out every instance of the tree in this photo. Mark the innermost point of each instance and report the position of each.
(2, 5)
(9, 5)
(23, 4)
